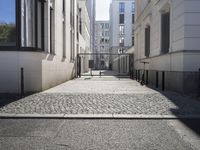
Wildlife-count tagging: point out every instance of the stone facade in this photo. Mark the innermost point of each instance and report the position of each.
(102, 32)
(121, 31)
(167, 38)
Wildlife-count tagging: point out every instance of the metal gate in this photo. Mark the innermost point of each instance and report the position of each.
(105, 64)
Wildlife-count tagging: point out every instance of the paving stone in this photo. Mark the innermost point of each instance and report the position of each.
(66, 99)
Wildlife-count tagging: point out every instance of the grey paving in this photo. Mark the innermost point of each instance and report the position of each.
(90, 135)
(107, 95)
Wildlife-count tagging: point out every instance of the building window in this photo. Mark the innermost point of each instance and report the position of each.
(107, 25)
(72, 28)
(106, 33)
(133, 43)
(52, 25)
(80, 21)
(23, 30)
(121, 7)
(121, 41)
(133, 18)
(64, 30)
(102, 41)
(77, 27)
(147, 41)
(121, 29)
(165, 32)
(7, 23)
(133, 7)
(121, 18)
(102, 25)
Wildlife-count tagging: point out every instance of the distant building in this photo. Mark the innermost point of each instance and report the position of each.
(102, 38)
(121, 25)
(168, 39)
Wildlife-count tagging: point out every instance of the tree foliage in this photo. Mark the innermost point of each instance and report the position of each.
(7, 33)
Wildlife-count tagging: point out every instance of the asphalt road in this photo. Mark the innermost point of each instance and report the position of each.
(52, 134)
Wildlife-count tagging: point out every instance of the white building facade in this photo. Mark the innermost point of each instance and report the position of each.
(84, 37)
(167, 36)
(121, 25)
(102, 39)
(91, 6)
(39, 47)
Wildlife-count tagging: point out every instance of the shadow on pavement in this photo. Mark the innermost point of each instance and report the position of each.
(193, 124)
(187, 111)
(6, 99)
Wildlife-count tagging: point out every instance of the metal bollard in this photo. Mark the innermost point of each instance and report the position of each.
(199, 84)
(22, 81)
(163, 81)
(136, 74)
(147, 77)
(157, 79)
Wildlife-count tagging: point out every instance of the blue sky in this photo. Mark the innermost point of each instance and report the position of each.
(102, 9)
(7, 11)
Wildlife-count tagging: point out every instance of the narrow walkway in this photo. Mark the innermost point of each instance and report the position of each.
(106, 95)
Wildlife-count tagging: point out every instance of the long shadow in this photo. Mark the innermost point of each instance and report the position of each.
(187, 111)
(6, 99)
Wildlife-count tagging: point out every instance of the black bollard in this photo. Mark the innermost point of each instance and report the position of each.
(156, 79)
(163, 81)
(22, 81)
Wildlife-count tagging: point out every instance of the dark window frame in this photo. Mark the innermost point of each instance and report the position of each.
(18, 46)
(165, 32)
(133, 18)
(147, 40)
(121, 19)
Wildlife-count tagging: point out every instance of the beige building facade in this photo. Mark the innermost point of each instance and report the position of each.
(167, 39)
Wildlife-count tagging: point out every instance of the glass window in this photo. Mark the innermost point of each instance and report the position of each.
(32, 23)
(165, 32)
(107, 25)
(102, 25)
(121, 29)
(133, 6)
(147, 41)
(121, 7)
(121, 41)
(133, 18)
(7, 23)
(27, 23)
(121, 18)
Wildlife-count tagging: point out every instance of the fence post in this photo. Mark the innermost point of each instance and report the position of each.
(163, 81)
(199, 84)
(156, 79)
(138, 75)
(22, 81)
(147, 77)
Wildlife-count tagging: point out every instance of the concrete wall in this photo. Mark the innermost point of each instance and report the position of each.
(42, 70)
(183, 60)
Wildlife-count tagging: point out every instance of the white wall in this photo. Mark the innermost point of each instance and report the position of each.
(41, 69)
(114, 23)
(184, 39)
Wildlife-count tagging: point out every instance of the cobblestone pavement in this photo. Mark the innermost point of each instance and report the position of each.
(101, 96)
